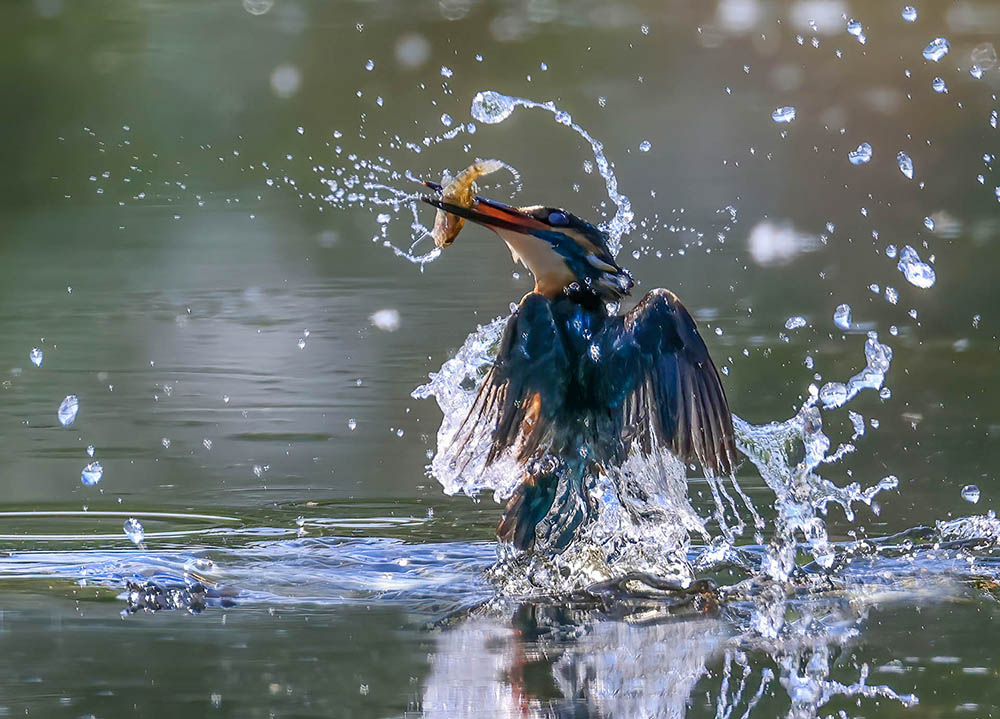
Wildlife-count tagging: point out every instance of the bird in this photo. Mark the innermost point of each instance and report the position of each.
(576, 385)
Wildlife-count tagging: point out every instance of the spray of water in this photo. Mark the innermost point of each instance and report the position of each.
(491, 107)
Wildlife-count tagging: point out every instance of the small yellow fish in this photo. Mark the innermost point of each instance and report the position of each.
(459, 190)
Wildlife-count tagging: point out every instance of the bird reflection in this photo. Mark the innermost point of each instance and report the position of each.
(552, 661)
(650, 659)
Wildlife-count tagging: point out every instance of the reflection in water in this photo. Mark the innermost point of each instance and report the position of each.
(540, 661)
(543, 660)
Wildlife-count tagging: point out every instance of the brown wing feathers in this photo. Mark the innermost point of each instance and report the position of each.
(689, 404)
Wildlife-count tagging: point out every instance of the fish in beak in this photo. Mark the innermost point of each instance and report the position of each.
(559, 249)
(486, 212)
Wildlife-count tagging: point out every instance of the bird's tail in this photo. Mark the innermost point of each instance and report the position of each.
(547, 508)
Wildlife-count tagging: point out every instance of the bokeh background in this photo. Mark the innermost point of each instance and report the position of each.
(164, 240)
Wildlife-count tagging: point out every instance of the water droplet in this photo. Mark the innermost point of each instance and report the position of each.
(861, 155)
(492, 107)
(833, 394)
(783, 114)
(929, 223)
(387, 320)
(891, 295)
(352, 424)
(446, 71)
(939, 85)
(976, 72)
(976, 320)
(92, 474)
(165, 442)
(909, 13)
(68, 410)
(854, 27)
(446, 120)
(301, 130)
(207, 444)
(917, 272)
(257, 7)
(984, 57)
(936, 49)
(794, 323)
(645, 146)
(370, 65)
(970, 493)
(890, 251)
(91, 449)
(842, 317)
(858, 422)
(133, 530)
(36, 356)
(383, 218)
(905, 164)
(644, 29)
(301, 344)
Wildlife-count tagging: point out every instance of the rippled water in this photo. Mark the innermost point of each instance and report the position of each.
(220, 305)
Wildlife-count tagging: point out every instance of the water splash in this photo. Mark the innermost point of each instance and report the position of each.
(861, 155)
(645, 518)
(91, 474)
(905, 164)
(68, 410)
(842, 317)
(936, 49)
(134, 530)
(970, 493)
(984, 57)
(917, 272)
(491, 107)
(783, 114)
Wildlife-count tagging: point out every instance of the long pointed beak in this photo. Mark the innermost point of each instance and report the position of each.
(488, 213)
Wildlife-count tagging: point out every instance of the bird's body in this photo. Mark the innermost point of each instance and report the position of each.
(575, 388)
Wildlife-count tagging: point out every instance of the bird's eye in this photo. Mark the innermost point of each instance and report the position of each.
(558, 218)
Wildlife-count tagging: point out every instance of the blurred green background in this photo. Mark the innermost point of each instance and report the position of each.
(138, 142)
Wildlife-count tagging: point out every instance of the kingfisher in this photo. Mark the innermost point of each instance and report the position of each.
(576, 386)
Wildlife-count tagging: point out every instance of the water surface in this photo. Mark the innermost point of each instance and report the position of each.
(166, 244)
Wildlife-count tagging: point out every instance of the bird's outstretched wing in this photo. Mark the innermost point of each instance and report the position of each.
(525, 390)
(676, 396)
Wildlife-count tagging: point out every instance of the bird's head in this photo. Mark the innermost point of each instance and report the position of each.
(563, 252)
